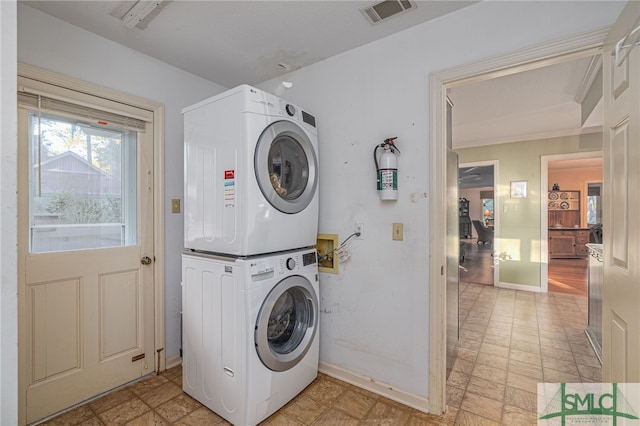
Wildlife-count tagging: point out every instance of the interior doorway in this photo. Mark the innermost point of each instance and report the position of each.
(575, 223)
(476, 190)
(566, 271)
(576, 47)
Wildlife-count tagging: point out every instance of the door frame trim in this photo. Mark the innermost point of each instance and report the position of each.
(157, 109)
(534, 57)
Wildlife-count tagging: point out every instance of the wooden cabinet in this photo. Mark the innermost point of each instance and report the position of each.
(568, 243)
(564, 208)
(566, 240)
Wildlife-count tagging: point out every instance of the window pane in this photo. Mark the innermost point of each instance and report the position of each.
(82, 185)
(594, 204)
(487, 211)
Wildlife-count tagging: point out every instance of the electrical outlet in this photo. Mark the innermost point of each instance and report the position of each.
(358, 227)
(398, 232)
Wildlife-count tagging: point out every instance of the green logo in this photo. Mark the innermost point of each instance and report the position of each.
(585, 403)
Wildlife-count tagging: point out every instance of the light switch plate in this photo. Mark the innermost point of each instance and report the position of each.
(175, 205)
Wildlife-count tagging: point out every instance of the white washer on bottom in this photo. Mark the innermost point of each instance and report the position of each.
(250, 331)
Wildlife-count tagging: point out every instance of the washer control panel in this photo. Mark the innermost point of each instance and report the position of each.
(310, 258)
(291, 264)
(264, 268)
(297, 262)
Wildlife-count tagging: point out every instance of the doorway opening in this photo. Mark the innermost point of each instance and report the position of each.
(476, 190)
(565, 227)
(540, 56)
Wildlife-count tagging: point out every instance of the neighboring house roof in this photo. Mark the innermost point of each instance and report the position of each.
(70, 162)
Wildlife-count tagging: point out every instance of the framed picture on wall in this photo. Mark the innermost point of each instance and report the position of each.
(518, 189)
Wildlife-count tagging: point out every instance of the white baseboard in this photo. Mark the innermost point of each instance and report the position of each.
(418, 402)
(522, 287)
(174, 361)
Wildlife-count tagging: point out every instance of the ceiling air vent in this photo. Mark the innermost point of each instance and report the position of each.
(386, 9)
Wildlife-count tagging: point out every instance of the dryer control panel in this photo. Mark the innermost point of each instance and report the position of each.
(290, 110)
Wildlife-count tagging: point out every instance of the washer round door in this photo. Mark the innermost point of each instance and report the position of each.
(286, 323)
(286, 167)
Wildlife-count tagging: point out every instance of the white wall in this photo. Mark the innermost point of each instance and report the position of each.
(374, 313)
(52, 44)
(8, 218)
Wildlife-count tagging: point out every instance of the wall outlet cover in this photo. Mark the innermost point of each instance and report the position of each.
(398, 232)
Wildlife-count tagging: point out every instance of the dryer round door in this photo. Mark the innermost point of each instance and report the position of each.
(286, 323)
(286, 167)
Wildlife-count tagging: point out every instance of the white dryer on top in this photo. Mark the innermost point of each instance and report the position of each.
(251, 174)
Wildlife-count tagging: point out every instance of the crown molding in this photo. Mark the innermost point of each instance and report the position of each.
(589, 77)
(528, 137)
(538, 56)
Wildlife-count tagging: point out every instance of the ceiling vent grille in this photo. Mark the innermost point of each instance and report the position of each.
(386, 9)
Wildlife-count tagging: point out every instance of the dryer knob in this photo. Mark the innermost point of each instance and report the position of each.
(291, 110)
(291, 264)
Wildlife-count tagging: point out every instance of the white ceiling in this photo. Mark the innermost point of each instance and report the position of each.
(530, 105)
(475, 177)
(235, 42)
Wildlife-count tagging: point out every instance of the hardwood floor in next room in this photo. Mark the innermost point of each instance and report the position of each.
(565, 275)
(569, 276)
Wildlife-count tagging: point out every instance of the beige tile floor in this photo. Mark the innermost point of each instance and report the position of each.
(159, 400)
(510, 341)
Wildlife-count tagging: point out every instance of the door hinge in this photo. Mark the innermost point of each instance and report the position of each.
(137, 358)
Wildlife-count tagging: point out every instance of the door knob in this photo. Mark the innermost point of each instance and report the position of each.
(146, 260)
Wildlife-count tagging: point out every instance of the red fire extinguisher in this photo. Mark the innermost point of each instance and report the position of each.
(387, 169)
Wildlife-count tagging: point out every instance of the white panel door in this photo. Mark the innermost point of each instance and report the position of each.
(85, 243)
(621, 228)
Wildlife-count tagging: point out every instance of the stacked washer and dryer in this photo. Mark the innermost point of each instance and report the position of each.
(249, 270)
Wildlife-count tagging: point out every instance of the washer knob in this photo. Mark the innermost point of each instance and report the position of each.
(291, 263)
(291, 110)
